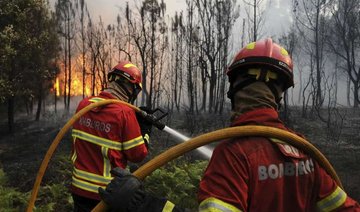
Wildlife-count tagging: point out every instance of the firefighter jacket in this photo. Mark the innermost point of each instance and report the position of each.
(265, 174)
(106, 137)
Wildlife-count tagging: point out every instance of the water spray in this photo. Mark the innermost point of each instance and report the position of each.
(150, 117)
(204, 151)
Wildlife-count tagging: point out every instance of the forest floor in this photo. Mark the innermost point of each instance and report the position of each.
(22, 152)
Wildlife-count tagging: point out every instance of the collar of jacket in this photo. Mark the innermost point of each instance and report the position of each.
(263, 116)
(104, 95)
(107, 95)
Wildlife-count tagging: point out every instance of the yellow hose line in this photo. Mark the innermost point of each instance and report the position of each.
(57, 140)
(231, 132)
(184, 147)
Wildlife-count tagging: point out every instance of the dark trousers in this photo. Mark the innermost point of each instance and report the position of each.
(83, 204)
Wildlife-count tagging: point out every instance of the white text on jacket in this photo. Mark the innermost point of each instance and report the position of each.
(275, 171)
(94, 124)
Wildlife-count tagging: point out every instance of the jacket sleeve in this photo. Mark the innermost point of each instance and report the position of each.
(224, 184)
(133, 144)
(331, 197)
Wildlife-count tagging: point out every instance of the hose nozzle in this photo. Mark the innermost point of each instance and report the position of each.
(149, 116)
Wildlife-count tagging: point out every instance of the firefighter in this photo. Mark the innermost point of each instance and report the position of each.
(250, 173)
(107, 136)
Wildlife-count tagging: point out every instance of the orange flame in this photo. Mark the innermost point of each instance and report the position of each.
(77, 78)
(57, 86)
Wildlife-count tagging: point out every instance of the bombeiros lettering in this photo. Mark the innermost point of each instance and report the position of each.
(276, 171)
(94, 124)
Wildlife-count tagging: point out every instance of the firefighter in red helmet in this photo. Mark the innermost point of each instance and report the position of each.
(106, 137)
(250, 173)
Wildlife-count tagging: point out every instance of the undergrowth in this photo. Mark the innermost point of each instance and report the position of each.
(178, 182)
(53, 196)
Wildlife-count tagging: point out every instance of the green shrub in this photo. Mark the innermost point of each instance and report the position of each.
(55, 197)
(10, 198)
(3, 178)
(178, 182)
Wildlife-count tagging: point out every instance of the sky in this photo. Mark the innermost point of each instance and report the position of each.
(109, 9)
(277, 14)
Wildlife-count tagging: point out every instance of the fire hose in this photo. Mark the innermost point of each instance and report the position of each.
(184, 147)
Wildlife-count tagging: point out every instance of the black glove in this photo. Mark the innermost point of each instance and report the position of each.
(124, 192)
(145, 125)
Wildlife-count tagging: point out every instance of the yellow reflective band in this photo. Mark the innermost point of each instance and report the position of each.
(168, 206)
(74, 155)
(97, 140)
(91, 177)
(251, 46)
(133, 143)
(333, 201)
(257, 72)
(107, 165)
(215, 205)
(85, 185)
(129, 65)
(96, 99)
(147, 138)
(270, 75)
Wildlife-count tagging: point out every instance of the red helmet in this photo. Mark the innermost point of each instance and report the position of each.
(127, 70)
(263, 52)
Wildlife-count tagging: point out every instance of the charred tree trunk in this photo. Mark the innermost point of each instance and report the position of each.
(39, 103)
(11, 112)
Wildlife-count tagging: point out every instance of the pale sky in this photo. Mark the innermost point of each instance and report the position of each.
(278, 13)
(109, 9)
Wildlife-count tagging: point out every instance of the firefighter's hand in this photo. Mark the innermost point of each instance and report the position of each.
(124, 192)
(144, 124)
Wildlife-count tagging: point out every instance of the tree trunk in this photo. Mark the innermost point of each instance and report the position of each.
(356, 96)
(65, 72)
(69, 64)
(39, 103)
(11, 113)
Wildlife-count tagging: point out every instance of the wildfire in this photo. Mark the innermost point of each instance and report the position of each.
(76, 79)
(77, 86)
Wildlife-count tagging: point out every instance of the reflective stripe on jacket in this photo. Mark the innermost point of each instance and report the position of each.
(213, 204)
(106, 137)
(332, 201)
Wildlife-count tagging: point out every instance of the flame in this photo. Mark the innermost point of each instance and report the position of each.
(77, 86)
(57, 86)
(76, 78)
